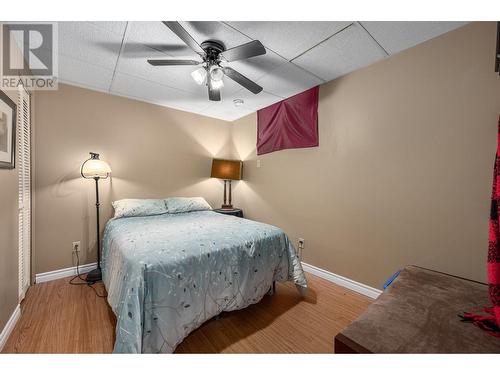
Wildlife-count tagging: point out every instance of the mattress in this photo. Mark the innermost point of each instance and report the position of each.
(168, 274)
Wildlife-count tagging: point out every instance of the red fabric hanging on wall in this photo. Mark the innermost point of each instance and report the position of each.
(491, 322)
(494, 239)
(291, 123)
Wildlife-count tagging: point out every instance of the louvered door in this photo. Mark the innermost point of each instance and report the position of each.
(24, 168)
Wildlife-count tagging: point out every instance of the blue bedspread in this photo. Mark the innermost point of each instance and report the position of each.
(167, 274)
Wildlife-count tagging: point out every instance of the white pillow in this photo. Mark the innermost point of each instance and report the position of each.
(139, 207)
(178, 205)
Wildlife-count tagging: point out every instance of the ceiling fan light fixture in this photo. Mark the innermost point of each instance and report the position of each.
(199, 76)
(217, 84)
(216, 73)
(212, 52)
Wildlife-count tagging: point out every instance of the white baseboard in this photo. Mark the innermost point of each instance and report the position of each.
(65, 272)
(342, 281)
(327, 275)
(11, 323)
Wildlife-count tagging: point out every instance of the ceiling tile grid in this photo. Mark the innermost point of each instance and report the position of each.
(288, 80)
(111, 57)
(398, 36)
(351, 49)
(83, 41)
(289, 39)
(116, 27)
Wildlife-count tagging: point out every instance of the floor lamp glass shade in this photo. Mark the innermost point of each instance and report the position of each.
(95, 168)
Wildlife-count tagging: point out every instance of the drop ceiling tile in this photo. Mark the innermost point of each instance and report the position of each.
(189, 102)
(225, 110)
(148, 91)
(254, 102)
(289, 39)
(397, 36)
(205, 30)
(86, 42)
(348, 50)
(157, 36)
(117, 27)
(76, 72)
(288, 80)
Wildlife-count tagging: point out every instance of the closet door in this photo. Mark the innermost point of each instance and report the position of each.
(24, 168)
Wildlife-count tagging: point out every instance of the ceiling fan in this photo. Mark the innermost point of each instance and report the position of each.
(213, 53)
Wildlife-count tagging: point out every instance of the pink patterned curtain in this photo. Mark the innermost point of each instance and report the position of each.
(491, 321)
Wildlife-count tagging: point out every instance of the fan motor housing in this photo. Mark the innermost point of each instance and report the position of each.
(213, 48)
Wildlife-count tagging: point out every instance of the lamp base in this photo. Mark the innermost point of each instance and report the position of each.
(94, 275)
(227, 207)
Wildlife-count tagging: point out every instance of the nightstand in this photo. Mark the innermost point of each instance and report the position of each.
(231, 211)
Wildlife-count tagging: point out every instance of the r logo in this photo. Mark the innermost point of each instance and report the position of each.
(36, 43)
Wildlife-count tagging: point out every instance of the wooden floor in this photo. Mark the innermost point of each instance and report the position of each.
(62, 318)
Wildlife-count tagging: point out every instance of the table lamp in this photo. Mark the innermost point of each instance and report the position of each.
(226, 170)
(96, 169)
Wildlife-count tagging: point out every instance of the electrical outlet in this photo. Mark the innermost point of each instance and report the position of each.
(76, 246)
(301, 243)
(258, 163)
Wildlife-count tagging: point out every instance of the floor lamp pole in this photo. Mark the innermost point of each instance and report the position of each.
(96, 275)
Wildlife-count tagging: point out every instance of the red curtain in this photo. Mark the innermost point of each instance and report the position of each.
(291, 123)
(494, 240)
(491, 321)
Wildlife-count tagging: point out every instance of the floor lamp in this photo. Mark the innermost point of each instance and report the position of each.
(96, 169)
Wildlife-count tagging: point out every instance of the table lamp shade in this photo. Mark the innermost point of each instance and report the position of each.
(226, 169)
(95, 168)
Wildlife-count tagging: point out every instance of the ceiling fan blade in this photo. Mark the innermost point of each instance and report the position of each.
(244, 51)
(172, 62)
(213, 93)
(178, 30)
(134, 49)
(242, 80)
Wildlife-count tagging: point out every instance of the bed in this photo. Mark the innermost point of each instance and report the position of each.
(168, 274)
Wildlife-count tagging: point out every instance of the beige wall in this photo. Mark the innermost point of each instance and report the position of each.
(403, 171)
(153, 152)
